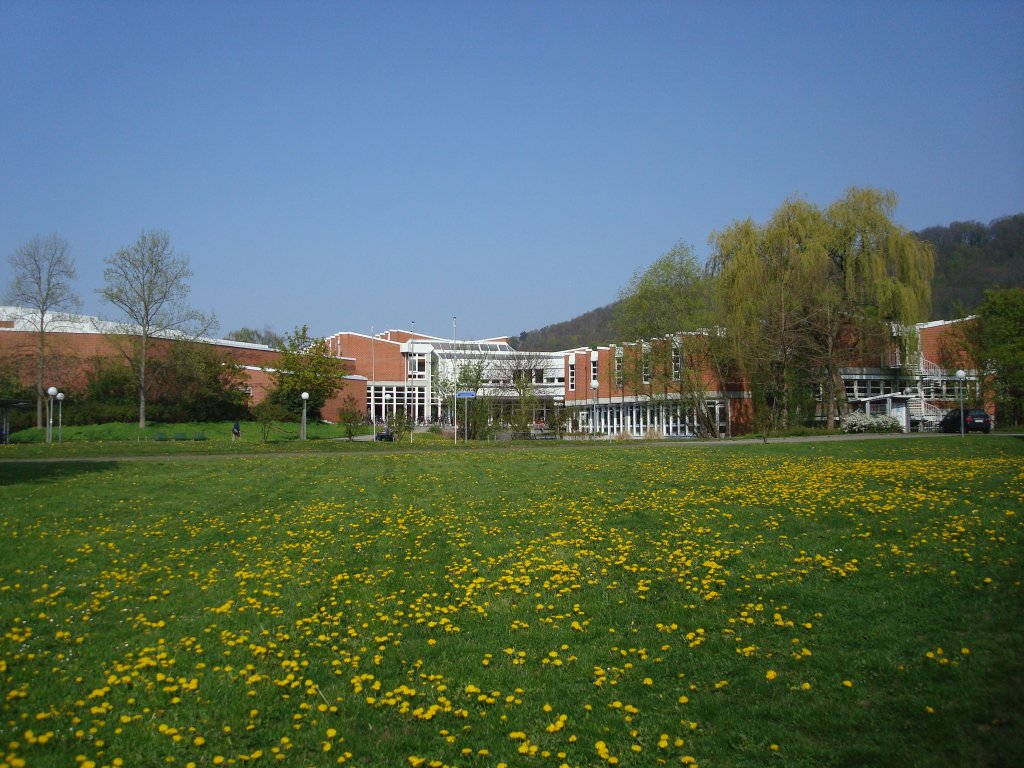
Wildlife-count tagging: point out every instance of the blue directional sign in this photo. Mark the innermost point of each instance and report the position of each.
(466, 395)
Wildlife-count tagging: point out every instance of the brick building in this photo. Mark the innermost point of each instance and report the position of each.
(663, 386)
(76, 344)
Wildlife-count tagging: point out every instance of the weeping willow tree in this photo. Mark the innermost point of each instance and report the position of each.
(883, 276)
(764, 283)
(813, 290)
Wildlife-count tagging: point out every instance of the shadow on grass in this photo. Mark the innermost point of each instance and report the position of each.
(46, 472)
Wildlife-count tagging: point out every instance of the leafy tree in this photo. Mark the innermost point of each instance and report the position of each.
(474, 417)
(398, 423)
(880, 275)
(267, 336)
(443, 386)
(556, 419)
(1001, 336)
(475, 412)
(351, 416)
(107, 394)
(762, 290)
(803, 293)
(521, 372)
(671, 295)
(962, 345)
(107, 382)
(43, 271)
(306, 365)
(703, 353)
(202, 383)
(11, 388)
(150, 285)
(269, 413)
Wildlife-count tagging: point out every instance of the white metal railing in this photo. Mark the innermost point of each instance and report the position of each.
(924, 413)
(918, 365)
(931, 370)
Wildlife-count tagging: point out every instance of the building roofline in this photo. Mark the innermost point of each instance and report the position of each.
(68, 322)
(940, 323)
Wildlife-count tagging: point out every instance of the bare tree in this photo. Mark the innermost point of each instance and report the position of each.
(43, 271)
(521, 373)
(150, 285)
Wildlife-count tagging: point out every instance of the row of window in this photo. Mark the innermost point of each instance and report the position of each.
(417, 366)
(645, 372)
(857, 389)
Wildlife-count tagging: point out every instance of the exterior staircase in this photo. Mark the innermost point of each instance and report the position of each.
(924, 417)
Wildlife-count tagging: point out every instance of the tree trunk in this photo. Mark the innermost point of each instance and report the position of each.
(41, 374)
(142, 383)
(834, 381)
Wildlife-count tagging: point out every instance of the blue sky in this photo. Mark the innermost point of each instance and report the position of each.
(358, 164)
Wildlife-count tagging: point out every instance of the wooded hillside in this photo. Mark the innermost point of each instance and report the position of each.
(970, 258)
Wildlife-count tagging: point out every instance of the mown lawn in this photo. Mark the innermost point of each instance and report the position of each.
(820, 604)
(191, 437)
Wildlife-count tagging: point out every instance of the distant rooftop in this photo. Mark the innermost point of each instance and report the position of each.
(21, 319)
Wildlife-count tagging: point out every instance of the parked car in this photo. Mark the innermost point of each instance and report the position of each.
(387, 436)
(974, 420)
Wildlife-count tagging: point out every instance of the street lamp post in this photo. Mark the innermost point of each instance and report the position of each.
(455, 383)
(52, 392)
(409, 390)
(961, 375)
(373, 382)
(302, 431)
(60, 414)
(593, 421)
(608, 423)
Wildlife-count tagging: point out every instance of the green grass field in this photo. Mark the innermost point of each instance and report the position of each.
(813, 604)
(128, 439)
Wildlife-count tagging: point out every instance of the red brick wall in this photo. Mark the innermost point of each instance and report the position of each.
(934, 338)
(70, 357)
(354, 388)
(630, 360)
(371, 357)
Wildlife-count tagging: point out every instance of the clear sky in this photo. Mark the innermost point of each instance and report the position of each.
(358, 164)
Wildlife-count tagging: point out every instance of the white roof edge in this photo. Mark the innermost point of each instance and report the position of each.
(937, 323)
(69, 322)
